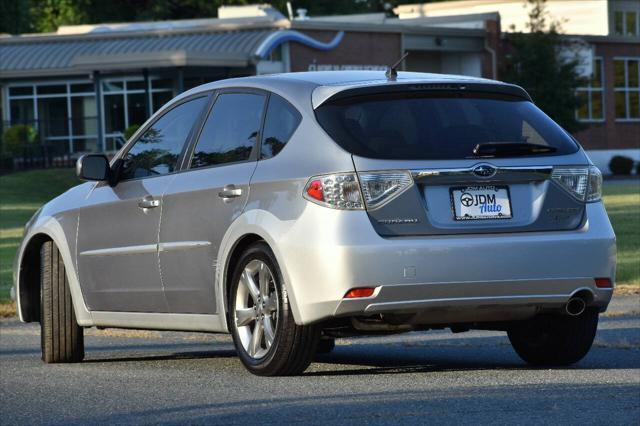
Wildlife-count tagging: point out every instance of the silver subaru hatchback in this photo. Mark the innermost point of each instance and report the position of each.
(292, 209)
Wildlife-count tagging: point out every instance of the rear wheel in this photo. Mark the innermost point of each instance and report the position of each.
(62, 340)
(266, 337)
(555, 340)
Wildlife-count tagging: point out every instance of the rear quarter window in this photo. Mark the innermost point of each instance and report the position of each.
(436, 125)
(281, 121)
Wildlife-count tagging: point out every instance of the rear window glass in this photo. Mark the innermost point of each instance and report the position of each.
(437, 126)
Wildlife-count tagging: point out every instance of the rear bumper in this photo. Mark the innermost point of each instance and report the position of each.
(463, 272)
(482, 297)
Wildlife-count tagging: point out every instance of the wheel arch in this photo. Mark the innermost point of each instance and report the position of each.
(28, 279)
(27, 271)
(247, 229)
(245, 241)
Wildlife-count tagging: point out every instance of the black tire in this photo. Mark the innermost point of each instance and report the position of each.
(326, 345)
(62, 340)
(555, 340)
(293, 346)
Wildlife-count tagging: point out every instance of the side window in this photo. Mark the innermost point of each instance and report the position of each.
(156, 152)
(281, 121)
(231, 130)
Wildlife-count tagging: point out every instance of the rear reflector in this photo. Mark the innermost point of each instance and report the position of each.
(355, 293)
(603, 282)
(314, 190)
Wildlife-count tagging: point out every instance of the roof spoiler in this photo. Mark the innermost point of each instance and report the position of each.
(325, 94)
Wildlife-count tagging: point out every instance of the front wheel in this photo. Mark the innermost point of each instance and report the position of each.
(266, 337)
(555, 340)
(62, 339)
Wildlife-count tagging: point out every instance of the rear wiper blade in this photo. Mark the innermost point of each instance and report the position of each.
(508, 149)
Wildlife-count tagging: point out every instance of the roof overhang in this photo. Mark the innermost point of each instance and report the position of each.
(55, 56)
(395, 27)
(159, 59)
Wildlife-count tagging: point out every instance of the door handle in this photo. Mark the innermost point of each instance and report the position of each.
(148, 202)
(229, 192)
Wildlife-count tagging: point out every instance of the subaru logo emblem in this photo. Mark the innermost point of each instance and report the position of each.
(484, 171)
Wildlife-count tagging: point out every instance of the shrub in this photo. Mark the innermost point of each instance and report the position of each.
(17, 137)
(621, 165)
(129, 131)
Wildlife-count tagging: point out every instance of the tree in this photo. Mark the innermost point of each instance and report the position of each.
(48, 15)
(14, 16)
(535, 64)
(19, 16)
(344, 7)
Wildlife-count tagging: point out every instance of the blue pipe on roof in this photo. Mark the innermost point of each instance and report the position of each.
(276, 39)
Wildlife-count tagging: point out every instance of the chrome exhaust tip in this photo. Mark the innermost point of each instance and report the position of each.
(575, 306)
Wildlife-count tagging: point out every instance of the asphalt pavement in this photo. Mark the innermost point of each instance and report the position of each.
(141, 377)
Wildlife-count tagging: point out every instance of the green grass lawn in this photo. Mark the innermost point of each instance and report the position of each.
(623, 206)
(21, 194)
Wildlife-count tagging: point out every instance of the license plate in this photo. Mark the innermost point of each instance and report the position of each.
(481, 202)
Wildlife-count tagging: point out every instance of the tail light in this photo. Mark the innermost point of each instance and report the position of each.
(348, 191)
(594, 192)
(584, 183)
(379, 188)
(338, 191)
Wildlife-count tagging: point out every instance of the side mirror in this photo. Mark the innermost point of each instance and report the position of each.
(93, 167)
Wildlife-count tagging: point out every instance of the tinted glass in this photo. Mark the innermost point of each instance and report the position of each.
(22, 111)
(137, 108)
(21, 91)
(621, 105)
(231, 130)
(433, 126)
(160, 98)
(631, 23)
(135, 85)
(82, 88)
(113, 113)
(632, 73)
(157, 151)
(618, 73)
(49, 90)
(53, 116)
(281, 121)
(618, 19)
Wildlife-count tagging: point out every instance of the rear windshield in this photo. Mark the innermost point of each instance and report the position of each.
(436, 125)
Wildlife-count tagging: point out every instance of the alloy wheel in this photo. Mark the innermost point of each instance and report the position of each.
(256, 309)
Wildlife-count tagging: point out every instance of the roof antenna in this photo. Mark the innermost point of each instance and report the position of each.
(392, 73)
(290, 11)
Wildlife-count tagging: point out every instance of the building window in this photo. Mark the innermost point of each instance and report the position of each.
(125, 104)
(625, 23)
(64, 114)
(627, 88)
(592, 96)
